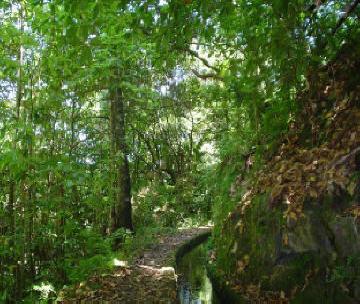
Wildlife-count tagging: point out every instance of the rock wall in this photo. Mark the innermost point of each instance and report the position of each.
(295, 234)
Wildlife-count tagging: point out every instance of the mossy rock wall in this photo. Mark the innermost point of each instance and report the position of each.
(295, 234)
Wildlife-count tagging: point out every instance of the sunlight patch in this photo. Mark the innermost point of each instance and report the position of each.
(45, 289)
(119, 263)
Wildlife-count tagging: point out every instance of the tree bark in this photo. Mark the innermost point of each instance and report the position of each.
(121, 213)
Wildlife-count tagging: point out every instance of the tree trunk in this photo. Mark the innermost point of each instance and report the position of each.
(19, 95)
(121, 216)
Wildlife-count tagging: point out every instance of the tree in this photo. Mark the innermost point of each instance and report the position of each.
(121, 215)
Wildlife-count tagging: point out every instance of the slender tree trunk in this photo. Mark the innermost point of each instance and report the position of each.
(19, 94)
(30, 191)
(121, 213)
(18, 256)
(10, 207)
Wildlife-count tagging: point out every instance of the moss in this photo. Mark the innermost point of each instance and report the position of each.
(221, 287)
(318, 291)
(286, 277)
(261, 225)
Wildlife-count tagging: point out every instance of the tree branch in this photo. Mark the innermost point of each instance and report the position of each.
(203, 60)
(347, 13)
(207, 75)
(344, 158)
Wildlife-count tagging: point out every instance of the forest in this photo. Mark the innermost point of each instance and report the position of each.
(180, 151)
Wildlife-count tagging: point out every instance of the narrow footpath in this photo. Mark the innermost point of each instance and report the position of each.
(151, 279)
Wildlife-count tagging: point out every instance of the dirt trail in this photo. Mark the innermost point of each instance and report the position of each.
(150, 280)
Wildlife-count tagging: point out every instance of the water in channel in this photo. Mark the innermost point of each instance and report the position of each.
(194, 284)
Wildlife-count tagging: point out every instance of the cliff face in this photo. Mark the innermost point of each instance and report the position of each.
(295, 234)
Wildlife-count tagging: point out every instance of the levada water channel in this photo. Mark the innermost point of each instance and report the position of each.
(194, 284)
